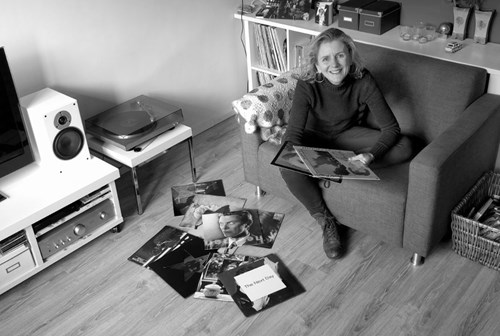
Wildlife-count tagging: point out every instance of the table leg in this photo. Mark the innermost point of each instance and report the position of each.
(137, 192)
(191, 158)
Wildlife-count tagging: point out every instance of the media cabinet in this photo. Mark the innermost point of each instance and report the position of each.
(80, 204)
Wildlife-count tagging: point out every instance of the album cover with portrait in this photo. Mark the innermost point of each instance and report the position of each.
(208, 203)
(209, 286)
(333, 163)
(241, 227)
(183, 195)
(260, 285)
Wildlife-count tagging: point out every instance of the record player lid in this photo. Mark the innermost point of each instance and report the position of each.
(133, 116)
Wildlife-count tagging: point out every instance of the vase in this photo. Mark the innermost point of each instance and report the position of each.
(461, 19)
(483, 20)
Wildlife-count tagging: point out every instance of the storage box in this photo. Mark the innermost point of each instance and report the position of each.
(469, 237)
(378, 17)
(349, 13)
(15, 263)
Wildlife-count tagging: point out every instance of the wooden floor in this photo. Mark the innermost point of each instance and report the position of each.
(373, 290)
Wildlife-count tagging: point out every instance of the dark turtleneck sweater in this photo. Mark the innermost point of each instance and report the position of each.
(326, 110)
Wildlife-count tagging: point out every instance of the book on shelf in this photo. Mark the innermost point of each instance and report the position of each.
(270, 52)
(263, 78)
(334, 164)
(261, 284)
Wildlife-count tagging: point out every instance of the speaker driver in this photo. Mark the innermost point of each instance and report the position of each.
(68, 143)
(62, 119)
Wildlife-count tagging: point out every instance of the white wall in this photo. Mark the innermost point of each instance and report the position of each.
(104, 52)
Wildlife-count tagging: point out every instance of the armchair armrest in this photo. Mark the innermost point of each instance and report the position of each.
(249, 151)
(442, 173)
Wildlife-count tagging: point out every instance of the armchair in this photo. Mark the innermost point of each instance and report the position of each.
(443, 105)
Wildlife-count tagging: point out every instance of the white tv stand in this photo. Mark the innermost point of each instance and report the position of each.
(33, 193)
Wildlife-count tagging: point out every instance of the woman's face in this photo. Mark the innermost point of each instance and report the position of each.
(334, 61)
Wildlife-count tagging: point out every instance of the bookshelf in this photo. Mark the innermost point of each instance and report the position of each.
(298, 32)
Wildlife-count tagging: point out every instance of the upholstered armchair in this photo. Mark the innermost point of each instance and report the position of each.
(444, 105)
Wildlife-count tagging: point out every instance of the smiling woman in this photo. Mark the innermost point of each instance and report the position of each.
(337, 104)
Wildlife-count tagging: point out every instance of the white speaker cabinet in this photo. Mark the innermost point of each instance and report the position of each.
(55, 130)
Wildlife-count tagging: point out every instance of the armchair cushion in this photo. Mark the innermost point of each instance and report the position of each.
(266, 108)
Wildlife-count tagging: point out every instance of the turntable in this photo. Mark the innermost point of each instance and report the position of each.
(134, 122)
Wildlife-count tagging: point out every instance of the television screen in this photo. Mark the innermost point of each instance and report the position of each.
(15, 151)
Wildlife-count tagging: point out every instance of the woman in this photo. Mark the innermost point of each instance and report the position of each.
(337, 104)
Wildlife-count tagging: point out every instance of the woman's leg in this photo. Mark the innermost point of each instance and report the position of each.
(306, 190)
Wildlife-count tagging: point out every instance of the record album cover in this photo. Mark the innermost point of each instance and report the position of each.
(182, 267)
(210, 203)
(334, 163)
(162, 242)
(183, 195)
(210, 287)
(261, 284)
(233, 229)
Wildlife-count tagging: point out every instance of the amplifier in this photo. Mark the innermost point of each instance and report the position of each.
(78, 227)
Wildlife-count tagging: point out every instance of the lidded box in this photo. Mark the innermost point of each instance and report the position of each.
(380, 16)
(349, 13)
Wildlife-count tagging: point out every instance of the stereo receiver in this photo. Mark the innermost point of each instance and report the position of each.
(74, 222)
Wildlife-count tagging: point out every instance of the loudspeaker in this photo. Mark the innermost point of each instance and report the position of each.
(55, 129)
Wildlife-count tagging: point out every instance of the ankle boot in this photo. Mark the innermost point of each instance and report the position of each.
(331, 239)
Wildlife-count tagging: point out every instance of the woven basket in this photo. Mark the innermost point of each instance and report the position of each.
(466, 240)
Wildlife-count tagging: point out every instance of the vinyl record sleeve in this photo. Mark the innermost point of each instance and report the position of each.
(183, 195)
(262, 232)
(182, 267)
(161, 243)
(219, 263)
(249, 307)
(334, 163)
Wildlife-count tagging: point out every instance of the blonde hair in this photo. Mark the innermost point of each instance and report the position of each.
(308, 71)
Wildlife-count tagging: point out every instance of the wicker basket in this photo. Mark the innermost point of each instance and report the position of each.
(466, 240)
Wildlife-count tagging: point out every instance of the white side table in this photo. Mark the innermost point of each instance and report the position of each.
(156, 148)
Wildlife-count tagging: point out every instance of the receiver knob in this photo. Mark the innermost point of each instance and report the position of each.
(79, 230)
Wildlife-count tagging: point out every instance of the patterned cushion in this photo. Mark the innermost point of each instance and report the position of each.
(267, 107)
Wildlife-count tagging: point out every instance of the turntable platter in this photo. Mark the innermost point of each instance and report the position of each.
(134, 121)
(126, 123)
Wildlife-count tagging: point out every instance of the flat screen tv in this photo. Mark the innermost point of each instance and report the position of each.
(15, 150)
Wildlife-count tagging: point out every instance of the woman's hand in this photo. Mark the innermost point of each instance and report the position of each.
(364, 158)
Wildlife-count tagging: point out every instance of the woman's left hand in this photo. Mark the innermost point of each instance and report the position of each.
(364, 158)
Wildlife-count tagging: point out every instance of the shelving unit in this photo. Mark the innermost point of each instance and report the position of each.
(34, 193)
(300, 32)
